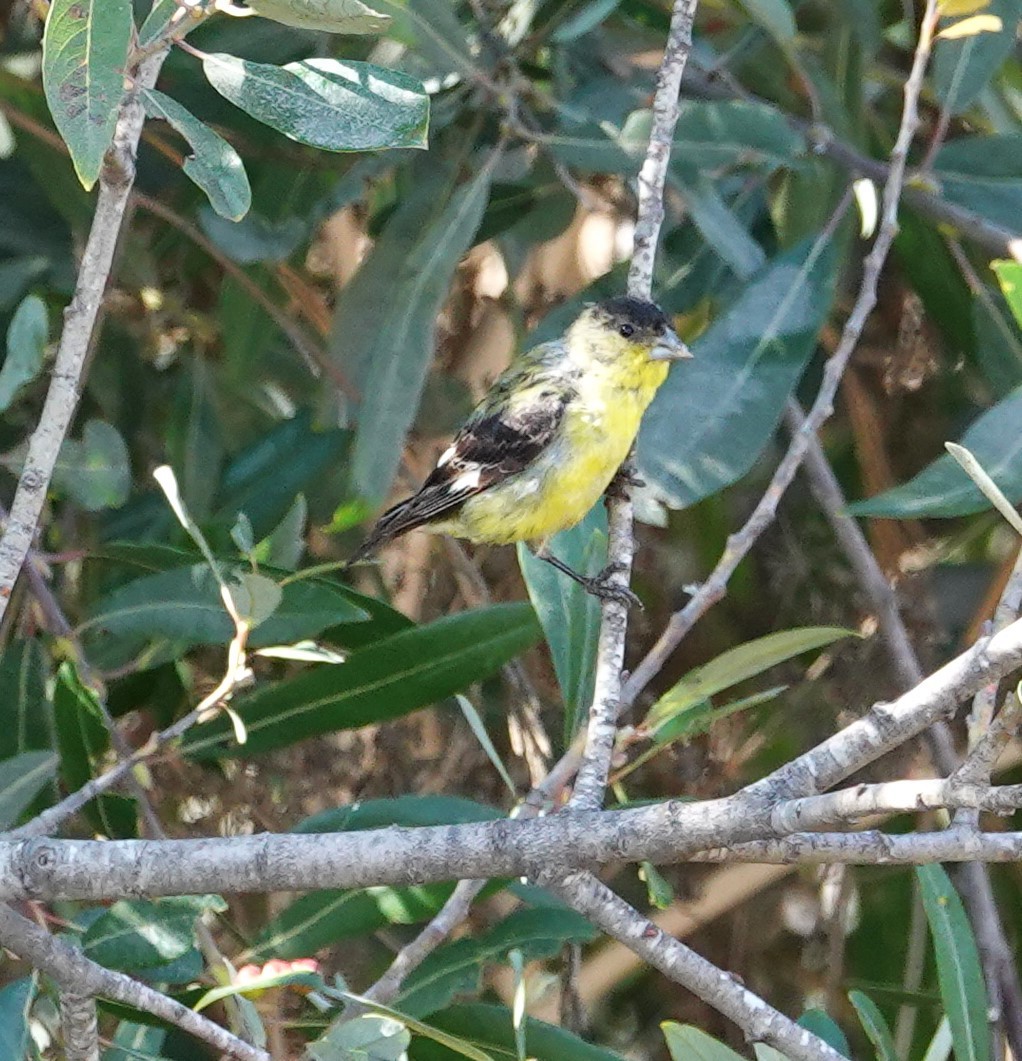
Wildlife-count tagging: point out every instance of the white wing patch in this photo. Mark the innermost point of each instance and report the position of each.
(466, 481)
(445, 456)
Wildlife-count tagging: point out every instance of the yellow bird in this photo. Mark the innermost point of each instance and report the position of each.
(547, 439)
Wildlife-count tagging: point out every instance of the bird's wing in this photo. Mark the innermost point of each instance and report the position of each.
(516, 421)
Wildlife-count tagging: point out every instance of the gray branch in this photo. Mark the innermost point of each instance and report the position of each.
(75, 973)
(80, 1026)
(80, 319)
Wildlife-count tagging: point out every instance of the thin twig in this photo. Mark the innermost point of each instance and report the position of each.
(80, 319)
(739, 544)
(591, 781)
(73, 972)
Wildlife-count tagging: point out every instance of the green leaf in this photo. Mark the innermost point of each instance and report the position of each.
(95, 472)
(738, 665)
(1009, 276)
(254, 238)
(570, 617)
(687, 1043)
(406, 811)
(874, 1025)
(455, 967)
(963, 68)
(366, 1038)
(395, 348)
(215, 167)
(28, 713)
(157, 20)
(959, 972)
(713, 416)
(21, 778)
(432, 29)
(16, 1000)
(583, 20)
(943, 489)
(774, 16)
(824, 1027)
(183, 605)
(998, 341)
(136, 1042)
(491, 1028)
(333, 16)
(85, 51)
(26, 347)
(478, 727)
(721, 228)
(326, 103)
(385, 681)
(285, 544)
(982, 173)
(710, 135)
(140, 933)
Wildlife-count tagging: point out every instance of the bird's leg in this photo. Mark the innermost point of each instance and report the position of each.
(624, 479)
(598, 585)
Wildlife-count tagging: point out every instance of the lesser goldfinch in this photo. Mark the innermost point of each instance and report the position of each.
(547, 439)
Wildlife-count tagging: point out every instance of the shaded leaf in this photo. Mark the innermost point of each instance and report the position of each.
(366, 1038)
(396, 348)
(94, 471)
(874, 1025)
(28, 713)
(85, 50)
(215, 166)
(998, 342)
(184, 605)
(140, 933)
(26, 347)
(822, 1025)
(135, 1042)
(687, 1043)
(963, 68)
(714, 415)
(982, 173)
(774, 16)
(570, 616)
(943, 488)
(334, 16)
(21, 778)
(456, 966)
(326, 103)
(253, 238)
(959, 972)
(385, 681)
(16, 1000)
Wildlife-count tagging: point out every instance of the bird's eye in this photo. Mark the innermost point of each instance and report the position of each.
(627, 330)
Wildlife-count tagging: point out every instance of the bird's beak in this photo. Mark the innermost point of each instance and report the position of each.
(670, 348)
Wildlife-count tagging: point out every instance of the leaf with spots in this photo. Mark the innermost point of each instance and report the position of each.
(85, 50)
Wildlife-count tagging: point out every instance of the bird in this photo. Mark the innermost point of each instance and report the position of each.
(547, 439)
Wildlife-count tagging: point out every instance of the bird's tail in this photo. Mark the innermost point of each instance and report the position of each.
(396, 521)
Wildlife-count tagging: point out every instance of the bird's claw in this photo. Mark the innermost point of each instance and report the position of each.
(624, 480)
(602, 587)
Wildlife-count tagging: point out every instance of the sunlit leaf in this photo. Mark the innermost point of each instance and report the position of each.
(334, 16)
(326, 103)
(970, 27)
(964, 66)
(688, 1043)
(85, 49)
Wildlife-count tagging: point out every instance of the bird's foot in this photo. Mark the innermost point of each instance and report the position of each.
(602, 587)
(624, 480)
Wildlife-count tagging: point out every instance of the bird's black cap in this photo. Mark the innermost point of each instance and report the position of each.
(642, 314)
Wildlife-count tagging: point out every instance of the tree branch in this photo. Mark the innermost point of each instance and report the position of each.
(80, 318)
(80, 1027)
(80, 976)
(738, 545)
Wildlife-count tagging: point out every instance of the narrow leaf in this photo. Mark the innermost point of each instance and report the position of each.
(385, 681)
(1009, 276)
(990, 489)
(969, 27)
(333, 16)
(26, 346)
(874, 1025)
(959, 972)
(215, 166)
(15, 1003)
(688, 1043)
(85, 49)
(478, 728)
(21, 778)
(326, 103)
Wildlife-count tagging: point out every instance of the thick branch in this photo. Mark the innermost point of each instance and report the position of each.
(80, 1026)
(76, 974)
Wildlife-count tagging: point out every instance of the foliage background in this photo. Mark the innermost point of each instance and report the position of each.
(305, 364)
